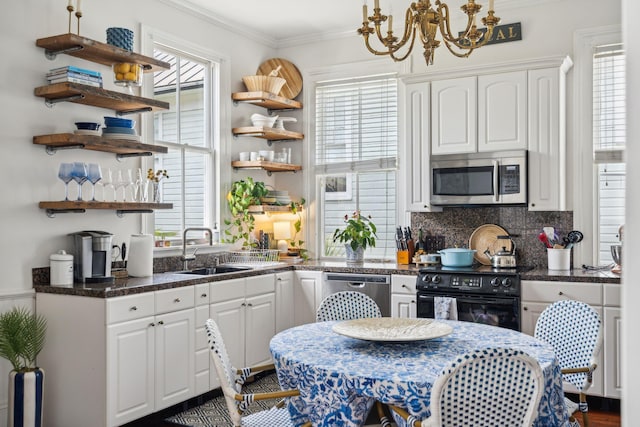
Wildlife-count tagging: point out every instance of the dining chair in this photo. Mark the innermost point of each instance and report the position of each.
(574, 330)
(232, 379)
(489, 387)
(347, 305)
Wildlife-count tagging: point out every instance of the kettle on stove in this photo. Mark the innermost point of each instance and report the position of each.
(503, 258)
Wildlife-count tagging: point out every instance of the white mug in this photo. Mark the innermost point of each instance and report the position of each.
(253, 156)
(244, 156)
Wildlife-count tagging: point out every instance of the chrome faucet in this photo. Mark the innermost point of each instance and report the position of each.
(186, 258)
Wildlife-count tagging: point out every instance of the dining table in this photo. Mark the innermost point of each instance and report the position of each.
(340, 377)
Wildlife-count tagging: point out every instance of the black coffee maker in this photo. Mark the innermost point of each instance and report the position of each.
(92, 256)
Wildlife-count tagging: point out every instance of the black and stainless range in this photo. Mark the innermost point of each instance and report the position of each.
(483, 294)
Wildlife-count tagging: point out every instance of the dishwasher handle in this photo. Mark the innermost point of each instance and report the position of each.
(356, 285)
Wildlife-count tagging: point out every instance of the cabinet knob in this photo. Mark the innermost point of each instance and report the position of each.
(203, 296)
(151, 325)
(133, 308)
(250, 305)
(525, 308)
(161, 322)
(560, 293)
(533, 205)
(405, 286)
(243, 304)
(413, 302)
(279, 279)
(176, 300)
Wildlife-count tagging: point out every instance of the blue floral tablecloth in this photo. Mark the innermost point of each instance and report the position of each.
(339, 378)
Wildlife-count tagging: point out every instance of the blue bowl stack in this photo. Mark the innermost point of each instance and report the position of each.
(120, 37)
(119, 128)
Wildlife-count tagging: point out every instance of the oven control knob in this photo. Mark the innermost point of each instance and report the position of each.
(495, 282)
(426, 278)
(436, 279)
(506, 282)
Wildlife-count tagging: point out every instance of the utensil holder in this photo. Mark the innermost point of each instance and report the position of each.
(402, 257)
(558, 259)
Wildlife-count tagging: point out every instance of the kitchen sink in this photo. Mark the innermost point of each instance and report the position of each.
(207, 271)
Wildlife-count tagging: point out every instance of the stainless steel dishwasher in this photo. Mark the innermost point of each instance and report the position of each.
(376, 286)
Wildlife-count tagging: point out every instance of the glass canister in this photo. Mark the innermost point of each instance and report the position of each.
(127, 74)
(61, 269)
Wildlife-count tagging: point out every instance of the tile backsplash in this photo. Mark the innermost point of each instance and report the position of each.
(457, 224)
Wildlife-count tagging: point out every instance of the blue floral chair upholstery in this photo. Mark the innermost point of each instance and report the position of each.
(347, 305)
(490, 387)
(574, 330)
(232, 379)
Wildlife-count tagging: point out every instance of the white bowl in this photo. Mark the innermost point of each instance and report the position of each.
(259, 120)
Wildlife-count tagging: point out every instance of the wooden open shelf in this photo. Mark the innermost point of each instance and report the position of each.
(120, 207)
(267, 100)
(98, 52)
(268, 166)
(259, 209)
(122, 103)
(270, 134)
(121, 147)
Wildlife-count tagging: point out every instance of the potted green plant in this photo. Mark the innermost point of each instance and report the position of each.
(22, 337)
(295, 246)
(360, 232)
(243, 193)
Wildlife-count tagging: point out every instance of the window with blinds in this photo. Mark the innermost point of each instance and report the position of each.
(609, 140)
(356, 158)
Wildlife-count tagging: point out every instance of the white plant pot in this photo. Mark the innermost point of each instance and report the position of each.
(354, 257)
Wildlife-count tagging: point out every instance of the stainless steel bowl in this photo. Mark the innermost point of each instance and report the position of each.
(616, 254)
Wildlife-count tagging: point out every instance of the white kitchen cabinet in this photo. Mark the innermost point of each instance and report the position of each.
(453, 116)
(115, 360)
(613, 338)
(284, 301)
(202, 356)
(547, 137)
(403, 296)
(307, 293)
(537, 295)
(502, 111)
(245, 312)
(416, 149)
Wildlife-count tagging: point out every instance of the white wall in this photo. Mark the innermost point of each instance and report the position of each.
(28, 175)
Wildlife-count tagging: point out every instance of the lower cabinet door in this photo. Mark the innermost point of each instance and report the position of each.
(130, 370)
(260, 328)
(403, 306)
(175, 357)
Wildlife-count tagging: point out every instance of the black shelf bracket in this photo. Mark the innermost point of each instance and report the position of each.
(270, 111)
(51, 213)
(135, 111)
(51, 54)
(121, 212)
(51, 150)
(123, 156)
(50, 102)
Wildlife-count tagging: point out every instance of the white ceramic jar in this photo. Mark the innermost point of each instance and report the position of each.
(61, 269)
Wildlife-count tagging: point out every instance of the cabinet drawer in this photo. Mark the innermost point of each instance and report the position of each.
(403, 284)
(174, 299)
(590, 293)
(258, 285)
(202, 294)
(130, 307)
(612, 295)
(226, 290)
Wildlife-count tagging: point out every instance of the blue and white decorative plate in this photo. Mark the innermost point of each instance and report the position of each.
(392, 329)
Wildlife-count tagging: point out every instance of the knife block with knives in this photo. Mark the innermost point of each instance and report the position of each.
(405, 245)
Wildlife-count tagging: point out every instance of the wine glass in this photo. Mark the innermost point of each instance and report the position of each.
(94, 174)
(79, 175)
(138, 187)
(129, 183)
(64, 173)
(107, 182)
(120, 183)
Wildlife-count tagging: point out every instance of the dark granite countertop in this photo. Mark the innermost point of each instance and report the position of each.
(160, 281)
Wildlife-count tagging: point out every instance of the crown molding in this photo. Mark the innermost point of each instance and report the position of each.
(231, 26)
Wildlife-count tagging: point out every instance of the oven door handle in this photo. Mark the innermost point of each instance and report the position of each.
(466, 300)
(496, 182)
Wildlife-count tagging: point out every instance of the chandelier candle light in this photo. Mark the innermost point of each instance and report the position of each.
(421, 19)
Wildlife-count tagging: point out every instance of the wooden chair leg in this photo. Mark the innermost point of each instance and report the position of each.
(584, 410)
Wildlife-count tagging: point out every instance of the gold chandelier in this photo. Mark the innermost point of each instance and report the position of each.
(423, 20)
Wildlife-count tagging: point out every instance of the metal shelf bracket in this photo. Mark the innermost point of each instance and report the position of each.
(135, 111)
(120, 213)
(50, 102)
(123, 156)
(51, 213)
(51, 54)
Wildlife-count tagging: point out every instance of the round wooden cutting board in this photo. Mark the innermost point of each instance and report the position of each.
(289, 72)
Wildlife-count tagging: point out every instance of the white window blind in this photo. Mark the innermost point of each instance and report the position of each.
(609, 140)
(609, 107)
(356, 158)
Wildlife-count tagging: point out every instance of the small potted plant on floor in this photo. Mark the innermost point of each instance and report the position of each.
(359, 233)
(22, 337)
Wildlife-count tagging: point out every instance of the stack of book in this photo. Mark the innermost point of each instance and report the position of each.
(74, 74)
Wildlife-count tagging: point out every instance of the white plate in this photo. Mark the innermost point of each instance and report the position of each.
(392, 329)
(121, 136)
(87, 132)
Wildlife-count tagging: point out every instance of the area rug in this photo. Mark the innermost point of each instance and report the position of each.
(214, 413)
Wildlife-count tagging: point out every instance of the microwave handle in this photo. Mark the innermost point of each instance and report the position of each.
(496, 183)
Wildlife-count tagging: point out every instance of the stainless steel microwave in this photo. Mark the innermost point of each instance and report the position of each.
(496, 178)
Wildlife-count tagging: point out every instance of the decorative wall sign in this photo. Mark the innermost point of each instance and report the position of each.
(504, 33)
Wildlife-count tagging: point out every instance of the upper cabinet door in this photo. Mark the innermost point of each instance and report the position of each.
(454, 116)
(502, 111)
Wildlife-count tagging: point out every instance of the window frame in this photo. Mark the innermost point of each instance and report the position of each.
(585, 169)
(313, 231)
(218, 118)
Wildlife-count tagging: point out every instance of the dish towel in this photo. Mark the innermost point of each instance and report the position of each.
(445, 308)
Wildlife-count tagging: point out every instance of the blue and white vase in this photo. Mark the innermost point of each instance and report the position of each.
(25, 398)
(354, 257)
